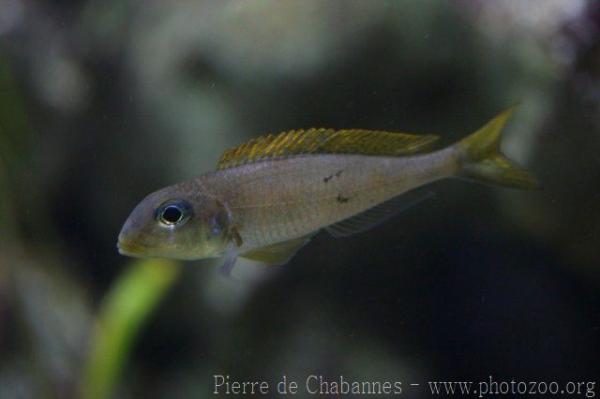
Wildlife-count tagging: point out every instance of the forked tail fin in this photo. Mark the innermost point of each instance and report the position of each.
(480, 157)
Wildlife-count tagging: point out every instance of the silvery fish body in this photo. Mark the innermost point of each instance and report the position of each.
(271, 195)
(278, 200)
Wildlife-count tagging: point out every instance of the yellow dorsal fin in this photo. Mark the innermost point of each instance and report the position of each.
(326, 141)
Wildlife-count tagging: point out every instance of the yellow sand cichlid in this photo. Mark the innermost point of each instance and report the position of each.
(269, 196)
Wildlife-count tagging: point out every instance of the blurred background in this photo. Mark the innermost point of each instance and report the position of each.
(104, 101)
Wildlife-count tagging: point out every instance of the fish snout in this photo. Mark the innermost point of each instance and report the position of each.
(129, 249)
(128, 245)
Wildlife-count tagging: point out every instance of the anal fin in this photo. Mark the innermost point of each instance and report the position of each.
(378, 214)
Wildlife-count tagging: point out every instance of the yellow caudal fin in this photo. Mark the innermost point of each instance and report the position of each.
(481, 159)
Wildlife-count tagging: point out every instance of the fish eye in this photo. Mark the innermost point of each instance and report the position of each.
(173, 213)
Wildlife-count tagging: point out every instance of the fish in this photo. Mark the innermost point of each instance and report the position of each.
(269, 196)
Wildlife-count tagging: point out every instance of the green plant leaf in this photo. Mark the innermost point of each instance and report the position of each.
(123, 312)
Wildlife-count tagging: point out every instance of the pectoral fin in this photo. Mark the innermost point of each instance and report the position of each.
(277, 254)
(227, 267)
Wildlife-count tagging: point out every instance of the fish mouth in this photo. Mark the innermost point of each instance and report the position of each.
(130, 249)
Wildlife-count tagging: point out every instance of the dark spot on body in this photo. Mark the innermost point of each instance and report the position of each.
(341, 199)
(336, 174)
